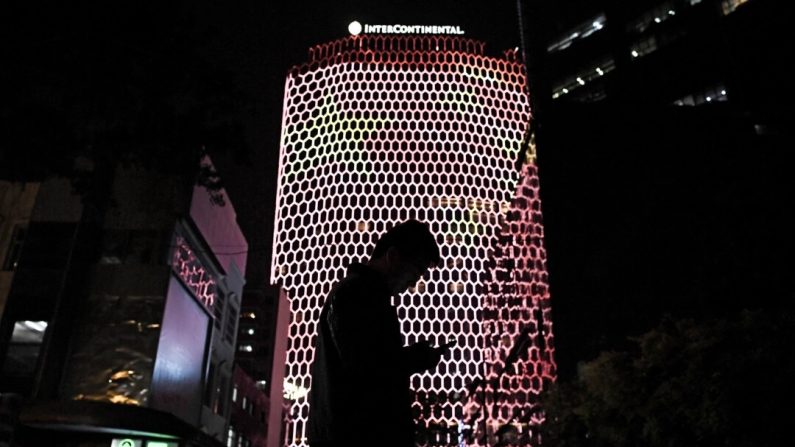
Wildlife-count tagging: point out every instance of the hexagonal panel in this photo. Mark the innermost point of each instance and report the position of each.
(380, 129)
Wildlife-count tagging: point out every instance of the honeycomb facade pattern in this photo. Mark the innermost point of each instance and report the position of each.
(517, 324)
(380, 129)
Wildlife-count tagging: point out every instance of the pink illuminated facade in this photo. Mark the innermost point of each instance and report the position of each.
(380, 129)
(189, 269)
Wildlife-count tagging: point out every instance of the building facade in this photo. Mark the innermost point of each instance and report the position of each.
(256, 334)
(671, 52)
(138, 308)
(250, 406)
(261, 346)
(380, 129)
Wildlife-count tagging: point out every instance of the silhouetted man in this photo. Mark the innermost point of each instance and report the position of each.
(360, 377)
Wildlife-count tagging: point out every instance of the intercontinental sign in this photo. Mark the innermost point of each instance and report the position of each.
(357, 28)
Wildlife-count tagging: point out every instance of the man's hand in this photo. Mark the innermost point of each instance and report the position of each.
(425, 356)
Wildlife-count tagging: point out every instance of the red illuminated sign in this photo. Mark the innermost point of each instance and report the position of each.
(192, 273)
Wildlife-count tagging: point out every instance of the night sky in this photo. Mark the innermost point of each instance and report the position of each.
(648, 211)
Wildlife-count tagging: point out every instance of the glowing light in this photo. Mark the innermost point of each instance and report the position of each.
(380, 129)
(412, 29)
(355, 28)
(635, 53)
(598, 25)
(723, 92)
(565, 90)
(293, 391)
(36, 326)
(250, 332)
(709, 98)
(657, 20)
(600, 71)
(580, 81)
(190, 270)
(671, 12)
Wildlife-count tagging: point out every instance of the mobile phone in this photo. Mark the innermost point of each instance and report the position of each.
(450, 343)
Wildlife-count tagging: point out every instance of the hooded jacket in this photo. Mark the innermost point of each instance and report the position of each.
(360, 376)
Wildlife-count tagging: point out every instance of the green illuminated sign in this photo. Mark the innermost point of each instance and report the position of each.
(161, 444)
(130, 442)
(126, 442)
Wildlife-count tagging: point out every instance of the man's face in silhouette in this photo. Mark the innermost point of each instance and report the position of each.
(404, 271)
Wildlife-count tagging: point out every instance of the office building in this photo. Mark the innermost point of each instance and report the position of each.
(378, 129)
(122, 324)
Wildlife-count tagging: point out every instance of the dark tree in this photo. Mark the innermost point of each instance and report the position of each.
(111, 83)
(717, 382)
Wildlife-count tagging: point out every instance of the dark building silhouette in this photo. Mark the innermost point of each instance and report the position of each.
(678, 52)
(248, 427)
(662, 150)
(260, 357)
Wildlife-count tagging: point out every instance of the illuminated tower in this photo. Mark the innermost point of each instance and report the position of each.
(379, 129)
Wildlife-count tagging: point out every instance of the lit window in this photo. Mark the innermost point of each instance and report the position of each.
(234, 394)
(582, 78)
(24, 348)
(729, 6)
(581, 31)
(715, 93)
(644, 47)
(657, 15)
(457, 287)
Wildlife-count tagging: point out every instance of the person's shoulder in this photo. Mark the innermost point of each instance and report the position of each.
(349, 285)
(349, 288)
